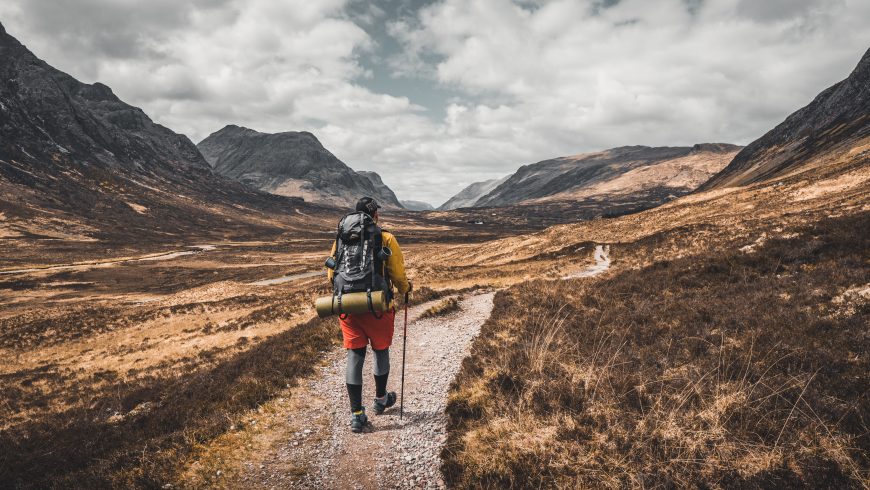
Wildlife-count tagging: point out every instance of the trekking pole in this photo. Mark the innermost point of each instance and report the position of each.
(404, 344)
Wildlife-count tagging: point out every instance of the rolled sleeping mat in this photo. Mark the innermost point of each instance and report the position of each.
(353, 303)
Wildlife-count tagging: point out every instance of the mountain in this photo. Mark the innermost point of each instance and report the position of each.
(621, 171)
(78, 163)
(838, 117)
(290, 164)
(380, 187)
(417, 206)
(470, 195)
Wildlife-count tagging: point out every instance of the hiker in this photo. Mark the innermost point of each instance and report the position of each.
(360, 329)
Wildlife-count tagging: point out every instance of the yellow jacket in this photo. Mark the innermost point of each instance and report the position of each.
(395, 264)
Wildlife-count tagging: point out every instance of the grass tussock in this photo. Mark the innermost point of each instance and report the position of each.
(136, 432)
(444, 307)
(726, 370)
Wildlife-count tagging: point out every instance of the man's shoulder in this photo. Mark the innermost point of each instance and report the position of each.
(387, 236)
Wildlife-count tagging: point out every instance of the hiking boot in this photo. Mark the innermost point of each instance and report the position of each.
(386, 402)
(359, 421)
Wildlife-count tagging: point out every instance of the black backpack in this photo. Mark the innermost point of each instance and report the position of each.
(359, 257)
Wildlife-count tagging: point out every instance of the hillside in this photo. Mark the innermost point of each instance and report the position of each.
(838, 118)
(79, 164)
(289, 164)
(625, 170)
(470, 195)
(381, 188)
(417, 206)
(726, 345)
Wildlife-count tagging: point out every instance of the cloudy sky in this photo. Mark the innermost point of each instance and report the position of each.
(435, 95)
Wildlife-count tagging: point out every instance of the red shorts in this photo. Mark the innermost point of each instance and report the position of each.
(359, 329)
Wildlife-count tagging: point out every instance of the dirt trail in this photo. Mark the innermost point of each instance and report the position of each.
(196, 249)
(308, 442)
(602, 263)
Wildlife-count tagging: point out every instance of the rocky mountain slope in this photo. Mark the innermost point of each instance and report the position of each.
(290, 164)
(623, 171)
(470, 195)
(78, 163)
(838, 118)
(381, 188)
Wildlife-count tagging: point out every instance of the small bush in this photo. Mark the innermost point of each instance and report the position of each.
(444, 307)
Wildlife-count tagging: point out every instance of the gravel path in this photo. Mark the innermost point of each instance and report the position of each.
(322, 452)
(602, 263)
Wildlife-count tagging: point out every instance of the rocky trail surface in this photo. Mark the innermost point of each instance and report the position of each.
(602, 263)
(304, 440)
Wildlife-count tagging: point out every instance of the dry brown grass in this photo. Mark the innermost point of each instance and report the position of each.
(88, 447)
(726, 369)
(444, 307)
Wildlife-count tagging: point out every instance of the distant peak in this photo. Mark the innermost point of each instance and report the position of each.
(863, 64)
(236, 129)
(372, 176)
(233, 127)
(7, 39)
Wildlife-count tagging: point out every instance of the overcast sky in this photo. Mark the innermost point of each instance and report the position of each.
(435, 95)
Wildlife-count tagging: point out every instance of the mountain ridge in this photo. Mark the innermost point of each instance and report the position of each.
(471, 193)
(76, 161)
(417, 206)
(380, 186)
(837, 116)
(636, 168)
(290, 163)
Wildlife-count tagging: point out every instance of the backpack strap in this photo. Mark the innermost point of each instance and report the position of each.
(378, 244)
(339, 252)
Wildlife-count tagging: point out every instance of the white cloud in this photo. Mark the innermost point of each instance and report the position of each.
(559, 79)
(535, 79)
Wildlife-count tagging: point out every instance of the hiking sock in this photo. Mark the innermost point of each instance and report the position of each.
(354, 393)
(381, 385)
(381, 371)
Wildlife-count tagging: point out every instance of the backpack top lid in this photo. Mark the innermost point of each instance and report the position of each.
(351, 227)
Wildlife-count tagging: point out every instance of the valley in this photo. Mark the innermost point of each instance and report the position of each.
(633, 317)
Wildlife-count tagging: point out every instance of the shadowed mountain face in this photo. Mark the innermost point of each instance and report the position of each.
(470, 195)
(48, 115)
(623, 171)
(290, 164)
(77, 162)
(837, 119)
